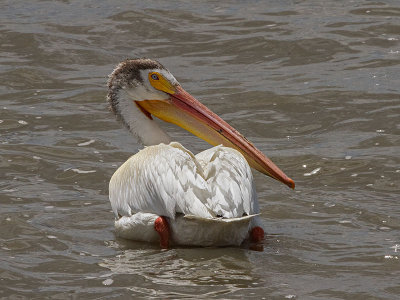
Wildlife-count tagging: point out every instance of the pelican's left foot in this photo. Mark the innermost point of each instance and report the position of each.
(162, 228)
(256, 234)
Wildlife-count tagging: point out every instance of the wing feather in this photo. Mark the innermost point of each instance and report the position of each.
(162, 179)
(231, 179)
(166, 179)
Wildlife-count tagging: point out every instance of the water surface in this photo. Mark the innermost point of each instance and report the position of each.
(314, 84)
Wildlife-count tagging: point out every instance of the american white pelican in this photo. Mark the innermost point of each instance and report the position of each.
(165, 193)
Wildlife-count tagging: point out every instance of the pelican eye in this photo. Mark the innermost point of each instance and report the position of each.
(159, 82)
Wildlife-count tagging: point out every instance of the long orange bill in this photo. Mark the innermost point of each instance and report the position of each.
(185, 111)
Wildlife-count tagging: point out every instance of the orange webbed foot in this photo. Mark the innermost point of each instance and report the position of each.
(162, 228)
(256, 234)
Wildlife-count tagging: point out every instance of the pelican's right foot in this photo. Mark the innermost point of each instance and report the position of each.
(256, 234)
(162, 228)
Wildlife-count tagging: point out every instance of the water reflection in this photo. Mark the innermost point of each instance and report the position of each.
(215, 271)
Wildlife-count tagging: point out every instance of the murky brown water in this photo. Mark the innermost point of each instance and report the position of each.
(315, 84)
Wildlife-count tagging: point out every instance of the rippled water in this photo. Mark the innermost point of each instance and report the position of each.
(314, 84)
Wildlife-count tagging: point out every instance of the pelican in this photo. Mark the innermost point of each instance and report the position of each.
(165, 193)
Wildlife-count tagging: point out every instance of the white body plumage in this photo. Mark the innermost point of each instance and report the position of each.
(212, 192)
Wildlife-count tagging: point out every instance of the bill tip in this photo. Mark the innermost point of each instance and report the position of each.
(290, 183)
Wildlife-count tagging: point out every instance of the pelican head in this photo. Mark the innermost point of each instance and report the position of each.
(142, 88)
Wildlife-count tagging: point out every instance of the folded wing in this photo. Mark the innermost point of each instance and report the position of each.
(166, 179)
